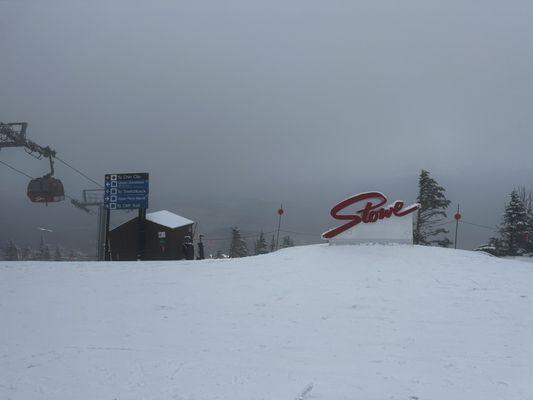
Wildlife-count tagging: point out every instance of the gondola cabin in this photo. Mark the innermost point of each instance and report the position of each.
(46, 189)
(165, 233)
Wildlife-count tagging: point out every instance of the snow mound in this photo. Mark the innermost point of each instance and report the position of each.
(315, 322)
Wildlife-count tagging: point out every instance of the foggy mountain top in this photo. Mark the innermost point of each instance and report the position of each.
(235, 107)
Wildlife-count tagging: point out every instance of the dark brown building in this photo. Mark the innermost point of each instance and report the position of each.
(165, 234)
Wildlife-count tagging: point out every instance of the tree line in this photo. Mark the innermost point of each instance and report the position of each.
(515, 233)
(12, 252)
(239, 247)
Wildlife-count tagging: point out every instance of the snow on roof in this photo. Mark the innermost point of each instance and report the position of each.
(168, 219)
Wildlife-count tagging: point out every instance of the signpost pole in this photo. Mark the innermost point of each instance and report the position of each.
(142, 233)
(107, 254)
(101, 233)
(280, 213)
(457, 217)
(201, 251)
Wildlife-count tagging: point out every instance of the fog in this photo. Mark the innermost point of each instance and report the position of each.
(236, 107)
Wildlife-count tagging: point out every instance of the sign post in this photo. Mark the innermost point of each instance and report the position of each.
(107, 250)
(142, 233)
(127, 192)
(457, 217)
(201, 250)
(280, 213)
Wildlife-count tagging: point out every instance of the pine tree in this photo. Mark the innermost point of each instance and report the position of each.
(57, 254)
(11, 252)
(46, 256)
(261, 246)
(44, 251)
(238, 247)
(515, 226)
(26, 254)
(527, 199)
(273, 244)
(495, 247)
(432, 211)
(287, 242)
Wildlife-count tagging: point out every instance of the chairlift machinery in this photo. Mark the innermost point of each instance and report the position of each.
(46, 189)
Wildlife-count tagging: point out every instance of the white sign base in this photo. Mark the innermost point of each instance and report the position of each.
(394, 230)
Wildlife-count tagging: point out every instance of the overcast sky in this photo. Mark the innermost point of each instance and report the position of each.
(236, 106)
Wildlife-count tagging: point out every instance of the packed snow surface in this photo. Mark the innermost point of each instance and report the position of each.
(316, 322)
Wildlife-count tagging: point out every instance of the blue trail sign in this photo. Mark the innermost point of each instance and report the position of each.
(126, 191)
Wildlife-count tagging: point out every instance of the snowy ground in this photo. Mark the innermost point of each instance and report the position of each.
(356, 322)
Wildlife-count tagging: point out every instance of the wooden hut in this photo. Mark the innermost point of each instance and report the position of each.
(165, 233)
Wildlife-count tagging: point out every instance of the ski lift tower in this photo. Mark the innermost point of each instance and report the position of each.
(95, 198)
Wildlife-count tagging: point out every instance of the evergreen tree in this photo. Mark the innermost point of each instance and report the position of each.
(44, 251)
(515, 226)
(495, 247)
(26, 254)
(527, 199)
(261, 246)
(490, 248)
(432, 211)
(45, 255)
(238, 247)
(273, 244)
(287, 242)
(57, 254)
(11, 252)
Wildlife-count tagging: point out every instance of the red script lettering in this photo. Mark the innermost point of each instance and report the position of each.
(372, 211)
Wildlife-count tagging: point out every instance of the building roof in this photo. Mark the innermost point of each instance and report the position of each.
(163, 218)
(168, 219)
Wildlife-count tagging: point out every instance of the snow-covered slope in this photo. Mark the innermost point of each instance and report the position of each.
(355, 322)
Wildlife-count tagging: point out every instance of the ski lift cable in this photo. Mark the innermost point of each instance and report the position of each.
(242, 237)
(264, 233)
(79, 172)
(444, 223)
(300, 233)
(493, 228)
(16, 170)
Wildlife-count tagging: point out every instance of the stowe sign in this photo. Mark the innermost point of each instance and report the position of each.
(372, 220)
